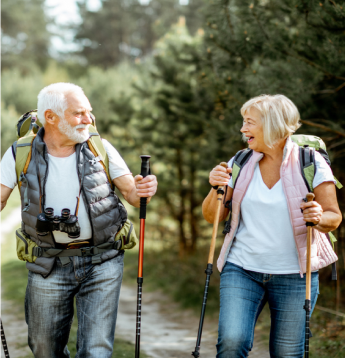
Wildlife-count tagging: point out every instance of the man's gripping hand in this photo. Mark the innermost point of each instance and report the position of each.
(145, 187)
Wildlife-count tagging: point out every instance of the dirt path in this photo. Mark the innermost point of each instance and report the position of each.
(167, 331)
(16, 331)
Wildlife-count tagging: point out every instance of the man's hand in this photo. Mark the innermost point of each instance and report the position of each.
(133, 189)
(145, 187)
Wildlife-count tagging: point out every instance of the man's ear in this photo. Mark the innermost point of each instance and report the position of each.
(51, 117)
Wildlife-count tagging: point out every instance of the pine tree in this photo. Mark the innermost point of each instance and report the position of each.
(291, 47)
(123, 29)
(175, 121)
(24, 39)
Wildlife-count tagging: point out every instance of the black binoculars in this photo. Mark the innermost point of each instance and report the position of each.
(67, 223)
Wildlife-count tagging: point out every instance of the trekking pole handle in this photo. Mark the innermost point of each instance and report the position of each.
(145, 165)
(220, 189)
(310, 197)
(145, 171)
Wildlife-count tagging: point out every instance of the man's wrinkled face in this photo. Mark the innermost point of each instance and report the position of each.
(75, 124)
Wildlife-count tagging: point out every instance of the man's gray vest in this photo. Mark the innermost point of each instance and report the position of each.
(106, 212)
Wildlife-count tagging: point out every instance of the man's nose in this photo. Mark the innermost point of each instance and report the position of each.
(86, 119)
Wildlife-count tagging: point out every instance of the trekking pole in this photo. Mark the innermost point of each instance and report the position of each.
(208, 271)
(145, 170)
(3, 341)
(307, 305)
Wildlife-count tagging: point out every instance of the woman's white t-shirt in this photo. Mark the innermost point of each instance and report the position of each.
(62, 186)
(264, 240)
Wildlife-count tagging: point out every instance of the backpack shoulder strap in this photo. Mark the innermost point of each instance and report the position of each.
(240, 160)
(308, 167)
(97, 148)
(22, 149)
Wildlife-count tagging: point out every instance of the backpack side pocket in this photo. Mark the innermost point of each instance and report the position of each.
(25, 247)
(127, 235)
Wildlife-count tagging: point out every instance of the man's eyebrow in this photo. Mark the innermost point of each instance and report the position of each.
(82, 109)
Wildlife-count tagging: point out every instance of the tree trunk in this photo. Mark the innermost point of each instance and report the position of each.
(182, 211)
(193, 204)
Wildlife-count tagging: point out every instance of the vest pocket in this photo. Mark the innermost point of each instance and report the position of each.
(25, 247)
(127, 236)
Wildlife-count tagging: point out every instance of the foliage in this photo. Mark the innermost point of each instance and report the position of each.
(129, 28)
(111, 96)
(9, 118)
(290, 47)
(19, 95)
(25, 38)
(176, 125)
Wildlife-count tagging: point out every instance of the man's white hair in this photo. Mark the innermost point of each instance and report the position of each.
(280, 117)
(53, 97)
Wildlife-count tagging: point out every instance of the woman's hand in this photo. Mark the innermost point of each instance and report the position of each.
(220, 176)
(312, 212)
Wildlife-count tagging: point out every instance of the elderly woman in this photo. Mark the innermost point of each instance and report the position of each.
(263, 258)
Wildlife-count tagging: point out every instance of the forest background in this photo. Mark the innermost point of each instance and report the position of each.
(168, 78)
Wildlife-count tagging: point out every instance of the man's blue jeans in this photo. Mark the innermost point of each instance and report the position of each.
(49, 308)
(243, 295)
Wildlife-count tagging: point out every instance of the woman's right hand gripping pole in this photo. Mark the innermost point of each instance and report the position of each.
(219, 176)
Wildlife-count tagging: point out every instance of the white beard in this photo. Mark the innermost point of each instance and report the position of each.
(72, 133)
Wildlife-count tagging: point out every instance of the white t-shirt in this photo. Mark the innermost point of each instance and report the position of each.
(264, 240)
(62, 186)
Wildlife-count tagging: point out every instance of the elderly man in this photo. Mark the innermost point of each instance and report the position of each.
(63, 172)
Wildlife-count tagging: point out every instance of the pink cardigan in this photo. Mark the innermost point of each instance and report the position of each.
(295, 190)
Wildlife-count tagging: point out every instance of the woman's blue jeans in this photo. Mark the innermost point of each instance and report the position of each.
(49, 306)
(243, 295)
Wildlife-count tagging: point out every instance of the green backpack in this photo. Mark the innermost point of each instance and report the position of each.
(26, 129)
(307, 146)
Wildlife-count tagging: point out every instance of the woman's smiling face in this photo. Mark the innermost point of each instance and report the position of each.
(252, 130)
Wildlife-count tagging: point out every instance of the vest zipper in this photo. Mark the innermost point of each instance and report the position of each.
(81, 177)
(45, 179)
(287, 200)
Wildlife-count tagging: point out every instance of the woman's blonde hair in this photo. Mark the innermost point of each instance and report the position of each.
(280, 117)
